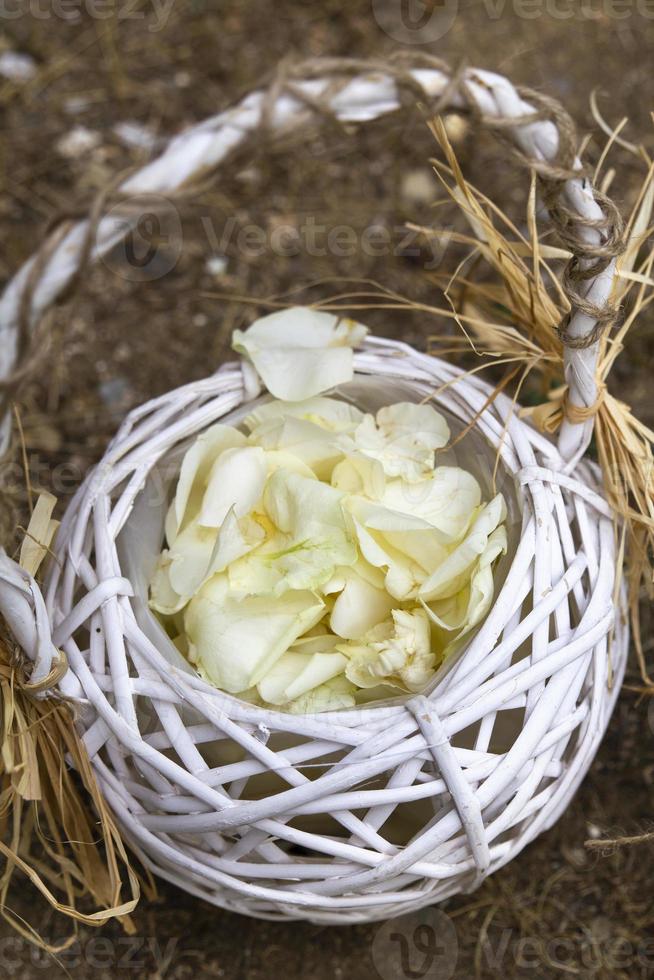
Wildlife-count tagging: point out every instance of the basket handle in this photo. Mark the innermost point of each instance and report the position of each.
(537, 130)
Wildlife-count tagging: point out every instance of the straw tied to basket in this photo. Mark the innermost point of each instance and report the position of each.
(351, 666)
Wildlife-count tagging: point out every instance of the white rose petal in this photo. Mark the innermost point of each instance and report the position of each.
(327, 413)
(289, 666)
(335, 695)
(200, 552)
(280, 459)
(446, 501)
(402, 658)
(236, 642)
(452, 574)
(300, 352)
(359, 605)
(319, 449)
(420, 423)
(306, 509)
(360, 475)
(403, 438)
(403, 576)
(296, 674)
(313, 537)
(463, 611)
(425, 549)
(236, 480)
(189, 558)
(316, 640)
(163, 597)
(196, 467)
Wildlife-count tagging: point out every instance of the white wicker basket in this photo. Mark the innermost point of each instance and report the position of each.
(370, 812)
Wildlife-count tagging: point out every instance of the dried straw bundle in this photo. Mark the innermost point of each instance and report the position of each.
(55, 827)
(528, 294)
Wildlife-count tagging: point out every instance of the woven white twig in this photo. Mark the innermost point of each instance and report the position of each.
(363, 813)
(368, 812)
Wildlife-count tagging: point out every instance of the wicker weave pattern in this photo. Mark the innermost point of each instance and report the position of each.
(366, 813)
(190, 805)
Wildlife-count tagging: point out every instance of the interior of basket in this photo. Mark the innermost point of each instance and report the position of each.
(140, 542)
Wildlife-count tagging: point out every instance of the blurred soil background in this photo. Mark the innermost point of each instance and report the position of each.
(98, 88)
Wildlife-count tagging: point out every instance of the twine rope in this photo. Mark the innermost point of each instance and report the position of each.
(578, 414)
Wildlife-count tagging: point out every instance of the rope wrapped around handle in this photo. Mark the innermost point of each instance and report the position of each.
(535, 129)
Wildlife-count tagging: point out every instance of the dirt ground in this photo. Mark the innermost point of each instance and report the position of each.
(559, 909)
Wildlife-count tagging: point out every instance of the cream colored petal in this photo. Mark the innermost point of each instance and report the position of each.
(322, 667)
(272, 687)
(359, 607)
(324, 642)
(463, 611)
(190, 557)
(296, 674)
(331, 414)
(446, 501)
(300, 373)
(199, 552)
(299, 327)
(311, 539)
(403, 438)
(235, 642)
(196, 466)
(281, 459)
(373, 576)
(171, 526)
(453, 573)
(403, 658)
(399, 455)
(359, 670)
(163, 597)
(335, 695)
(300, 352)
(376, 516)
(360, 475)
(236, 480)
(403, 576)
(317, 448)
(306, 509)
(420, 423)
(425, 548)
